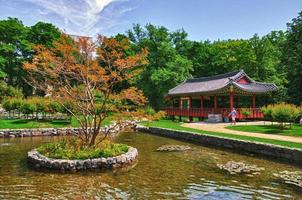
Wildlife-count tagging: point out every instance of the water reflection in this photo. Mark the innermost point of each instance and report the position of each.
(157, 175)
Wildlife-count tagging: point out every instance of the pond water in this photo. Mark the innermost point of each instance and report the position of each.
(157, 175)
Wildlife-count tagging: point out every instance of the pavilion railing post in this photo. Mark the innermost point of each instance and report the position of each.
(231, 100)
(237, 101)
(189, 109)
(215, 104)
(254, 105)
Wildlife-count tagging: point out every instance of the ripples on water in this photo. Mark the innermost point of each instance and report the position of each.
(157, 175)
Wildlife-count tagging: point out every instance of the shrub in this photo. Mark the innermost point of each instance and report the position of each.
(7, 105)
(16, 103)
(55, 107)
(12, 104)
(246, 112)
(159, 115)
(40, 104)
(282, 113)
(27, 108)
(72, 149)
(150, 111)
(267, 111)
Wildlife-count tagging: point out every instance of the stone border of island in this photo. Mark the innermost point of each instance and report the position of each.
(292, 155)
(12, 133)
(39, 161)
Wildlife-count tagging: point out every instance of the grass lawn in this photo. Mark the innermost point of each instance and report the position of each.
(33, 123)
(295, 130)
(168, 124)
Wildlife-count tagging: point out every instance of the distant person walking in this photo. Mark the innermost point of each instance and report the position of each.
(233, 115)
(301, 121)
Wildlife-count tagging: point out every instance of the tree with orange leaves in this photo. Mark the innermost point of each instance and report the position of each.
(85, 76)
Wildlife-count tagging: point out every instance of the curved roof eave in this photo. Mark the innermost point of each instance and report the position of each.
(274, 88)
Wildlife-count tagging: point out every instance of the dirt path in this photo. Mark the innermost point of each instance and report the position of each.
(221, 127)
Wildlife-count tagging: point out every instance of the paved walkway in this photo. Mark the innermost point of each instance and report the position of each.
(221, 127)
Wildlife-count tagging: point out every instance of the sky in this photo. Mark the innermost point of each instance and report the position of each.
(201, 19)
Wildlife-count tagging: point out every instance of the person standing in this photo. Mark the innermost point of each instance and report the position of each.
(233, 115)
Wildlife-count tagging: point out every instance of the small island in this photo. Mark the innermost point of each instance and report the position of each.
(81, 76)
(56, 156)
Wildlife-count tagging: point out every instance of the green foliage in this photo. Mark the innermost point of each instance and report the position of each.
(72, 149)
(258, 56)
(167, 66)
(16, 47)
(43, 33)
(267, 112)
(28, 108)
(7, 91)
(149, 114)
(275, 57)
(7, 105)
(150, 111)
(16, 103)
(292, 59)
(281, 113)
(173, 59)
(285, 113)
(55, 107)
(34, 105)
(246, 112)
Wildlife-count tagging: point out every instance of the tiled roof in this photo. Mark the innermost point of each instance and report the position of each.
(216, 83)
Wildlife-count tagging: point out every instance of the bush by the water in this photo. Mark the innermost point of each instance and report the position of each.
(72, 149)
(33, 105)
(282, 113)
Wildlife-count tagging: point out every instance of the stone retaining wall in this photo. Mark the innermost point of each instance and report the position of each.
(38, 161)
(37, 132)
(11, 133)
(272, 151)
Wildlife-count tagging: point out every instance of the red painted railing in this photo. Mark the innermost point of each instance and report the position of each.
(255, 113)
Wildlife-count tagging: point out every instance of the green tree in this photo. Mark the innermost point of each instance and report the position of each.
(43, 33)
(167, 67)
(292, 59)
(28, 107)
(8, 91)
(267, 66)
(14, 50)
(16, 47)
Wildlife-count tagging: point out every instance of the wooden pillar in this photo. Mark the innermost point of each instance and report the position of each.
(189, 102)
(254, 106)
(201, 102)
(215, 103)
(189, 107)
(180, 103)
(231, 101)
(254, 101)
(180, 108)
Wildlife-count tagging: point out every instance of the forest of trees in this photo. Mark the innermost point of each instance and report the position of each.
(172, 58)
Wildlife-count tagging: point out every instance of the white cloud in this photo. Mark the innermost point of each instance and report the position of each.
(83, 17)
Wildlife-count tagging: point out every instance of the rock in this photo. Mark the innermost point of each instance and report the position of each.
(240, 168)
(170, 148)
(290, 177)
